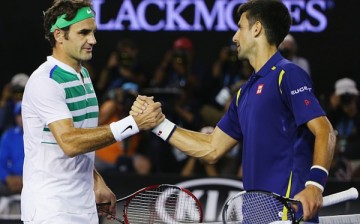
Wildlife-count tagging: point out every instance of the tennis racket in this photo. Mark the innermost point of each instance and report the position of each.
(266, 207)
(162, 203)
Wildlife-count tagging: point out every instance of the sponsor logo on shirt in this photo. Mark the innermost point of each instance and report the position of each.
(307, 102)
(259, 89)
(300, 90)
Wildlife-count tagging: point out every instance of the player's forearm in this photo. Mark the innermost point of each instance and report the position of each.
(324, 146)
(80, 141)
(323, 152)
(75, 141)
(98, 180)
(194, 144)
(209, 147)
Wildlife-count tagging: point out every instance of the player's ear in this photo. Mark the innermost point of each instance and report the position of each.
(58, 35)
(257, 28)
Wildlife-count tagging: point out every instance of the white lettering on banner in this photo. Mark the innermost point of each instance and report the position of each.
(195, 15)
(142, 19)
(212, 206)
(182, 213)
(127, 12)
(211, 203)
(202, 14)
(297, 8)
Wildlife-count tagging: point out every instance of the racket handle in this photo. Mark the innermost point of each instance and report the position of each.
(341, 196)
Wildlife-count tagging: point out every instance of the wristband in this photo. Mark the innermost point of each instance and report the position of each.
(165, 129)
(318, 177)
(124, 128)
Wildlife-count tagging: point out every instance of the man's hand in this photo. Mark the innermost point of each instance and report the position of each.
(146, 113)
(103, 194)
(311, 200)
(140, 104)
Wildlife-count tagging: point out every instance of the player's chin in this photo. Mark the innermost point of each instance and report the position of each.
(86, 57)
(241, 56)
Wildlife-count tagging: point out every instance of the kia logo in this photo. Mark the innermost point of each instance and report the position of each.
(212, 194)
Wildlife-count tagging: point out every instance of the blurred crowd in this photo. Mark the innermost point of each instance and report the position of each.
(192, 95)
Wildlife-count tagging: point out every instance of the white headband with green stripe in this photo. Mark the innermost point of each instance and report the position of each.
(82, 14)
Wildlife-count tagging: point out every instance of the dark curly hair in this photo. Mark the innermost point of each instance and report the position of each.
(272, 14)
(58, 8)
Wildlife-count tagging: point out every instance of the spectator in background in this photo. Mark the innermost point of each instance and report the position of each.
(142, 164)
(177, 67)
(123, 67)
(12, 156)
(129, 155)
(228, 74)
(12, 93)
(177, 73)
(345, 117)
(289, 50)
(138, 163)
(115, 107)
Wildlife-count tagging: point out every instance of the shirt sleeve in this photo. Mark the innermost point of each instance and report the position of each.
(298, 94)
(229, 123)
(48, 100)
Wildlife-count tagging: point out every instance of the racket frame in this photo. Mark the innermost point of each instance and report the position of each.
(127, 200)
(283, 200)
(342, 196)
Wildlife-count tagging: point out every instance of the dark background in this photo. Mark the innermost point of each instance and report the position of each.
(332, 54)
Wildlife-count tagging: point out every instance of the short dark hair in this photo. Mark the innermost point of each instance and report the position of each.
(272, 14)
(58, 8)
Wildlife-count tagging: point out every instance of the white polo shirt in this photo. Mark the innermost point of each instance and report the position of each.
(52, 181)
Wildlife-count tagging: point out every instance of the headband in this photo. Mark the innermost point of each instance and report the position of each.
(82, 14)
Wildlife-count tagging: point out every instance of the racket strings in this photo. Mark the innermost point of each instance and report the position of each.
(159, 205)
(254, 207)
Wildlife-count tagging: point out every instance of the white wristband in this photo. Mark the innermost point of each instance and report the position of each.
(124, 128)
(165, 129)
(318, 177)
(314, 184)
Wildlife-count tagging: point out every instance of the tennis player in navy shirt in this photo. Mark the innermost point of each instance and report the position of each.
(288, 142)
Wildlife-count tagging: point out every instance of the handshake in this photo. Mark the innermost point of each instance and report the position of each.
(145, 114)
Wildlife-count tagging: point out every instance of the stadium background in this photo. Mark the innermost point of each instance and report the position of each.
(333, 53)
